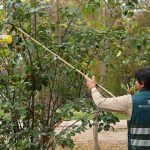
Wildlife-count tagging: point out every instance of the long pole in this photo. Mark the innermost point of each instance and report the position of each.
(61, 59)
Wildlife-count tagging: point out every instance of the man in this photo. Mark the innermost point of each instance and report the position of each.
(137, 109)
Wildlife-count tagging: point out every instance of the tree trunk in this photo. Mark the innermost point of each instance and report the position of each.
(34, 19)
(58, 34)
(108, 23)
(95, 132)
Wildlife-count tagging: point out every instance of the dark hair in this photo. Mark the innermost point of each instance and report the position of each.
(143, 75)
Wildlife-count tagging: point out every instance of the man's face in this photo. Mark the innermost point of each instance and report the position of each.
(139, 86)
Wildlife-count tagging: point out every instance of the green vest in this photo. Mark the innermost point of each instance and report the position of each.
(139, 125)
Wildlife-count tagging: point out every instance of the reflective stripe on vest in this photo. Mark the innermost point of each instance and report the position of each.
(140, 142)
(140, 131)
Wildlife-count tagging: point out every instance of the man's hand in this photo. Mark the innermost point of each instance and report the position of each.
(90, 82)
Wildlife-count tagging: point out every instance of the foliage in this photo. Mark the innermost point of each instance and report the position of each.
(38, 91)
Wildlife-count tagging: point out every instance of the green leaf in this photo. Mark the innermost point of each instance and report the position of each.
(118, 54)
(1, 26)
(125, 12)
(100, 129)
(38, 86)
(96, 1)
(144, 42)
(45, 80)
(138, 47)
(16, 39)
(101, 124)
(106, 127)
(135, 1)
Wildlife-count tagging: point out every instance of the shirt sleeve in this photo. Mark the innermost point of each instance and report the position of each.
(122, 104)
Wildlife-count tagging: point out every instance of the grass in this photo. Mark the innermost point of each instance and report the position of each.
(79, 115)
(120, 116)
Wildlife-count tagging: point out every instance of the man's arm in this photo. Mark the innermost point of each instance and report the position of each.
(117, 104)
(122, 104)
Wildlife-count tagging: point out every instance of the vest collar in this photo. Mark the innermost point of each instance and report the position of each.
(144, 89)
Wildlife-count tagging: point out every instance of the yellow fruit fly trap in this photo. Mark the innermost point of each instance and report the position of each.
(6, 39)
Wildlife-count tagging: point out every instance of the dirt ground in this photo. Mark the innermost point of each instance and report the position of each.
(110, 140)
